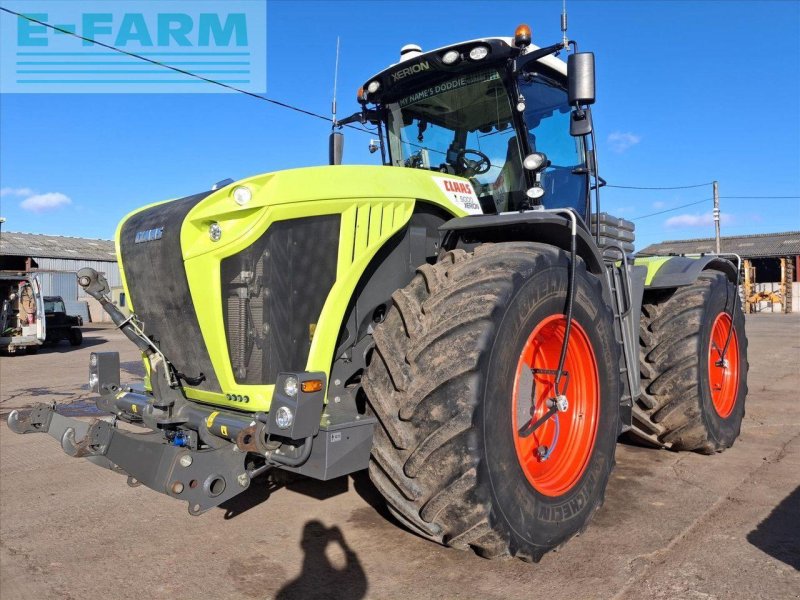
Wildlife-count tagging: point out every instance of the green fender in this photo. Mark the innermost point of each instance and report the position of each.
(677, 271)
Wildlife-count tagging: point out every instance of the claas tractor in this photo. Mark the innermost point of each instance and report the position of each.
(461, 320)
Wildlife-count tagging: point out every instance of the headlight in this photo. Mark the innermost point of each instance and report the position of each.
(284, 417)
(93, 379)
(290, 386)
(478, 52)
(214, 232)
(450, 57)
(242, 195)
(373, 86)
(93, 360)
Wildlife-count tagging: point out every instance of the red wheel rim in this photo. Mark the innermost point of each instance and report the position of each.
(723, 375)
(569, 436)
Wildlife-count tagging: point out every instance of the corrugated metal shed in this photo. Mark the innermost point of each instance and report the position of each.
(762, 245)
(56, 283)
(56, 246)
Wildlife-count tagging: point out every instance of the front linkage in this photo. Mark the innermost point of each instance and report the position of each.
(194, 452)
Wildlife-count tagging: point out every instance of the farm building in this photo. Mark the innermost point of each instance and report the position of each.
(770, 266)
(56, 259)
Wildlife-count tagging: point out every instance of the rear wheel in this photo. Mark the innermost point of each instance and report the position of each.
(75, 337)
(693, 398)
(464, 360)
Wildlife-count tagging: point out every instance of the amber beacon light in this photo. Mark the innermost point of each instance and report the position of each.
(522, 36)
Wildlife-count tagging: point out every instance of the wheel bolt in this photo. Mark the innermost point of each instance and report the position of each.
(186, 460)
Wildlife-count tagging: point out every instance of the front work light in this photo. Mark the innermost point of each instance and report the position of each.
(214, 232)
(478, 52)
(242, 195)
(374, 86)
(535, 161)
(450, 57)
(535, 192)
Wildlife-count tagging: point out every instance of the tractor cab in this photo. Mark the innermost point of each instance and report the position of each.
(477, 109)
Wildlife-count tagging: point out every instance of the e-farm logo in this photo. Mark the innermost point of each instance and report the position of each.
(220, 40)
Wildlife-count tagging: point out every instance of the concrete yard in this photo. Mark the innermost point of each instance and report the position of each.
(673, 525)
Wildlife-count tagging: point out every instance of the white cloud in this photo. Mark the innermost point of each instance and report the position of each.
(44, 202)
(703, 220)
(658, 204)
(620, 141)
(7, 191)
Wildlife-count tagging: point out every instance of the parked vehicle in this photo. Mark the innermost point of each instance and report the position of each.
(60, 325)
(22, 323)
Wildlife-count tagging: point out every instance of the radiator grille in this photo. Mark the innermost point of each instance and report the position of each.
(272, 294)
(159, 290)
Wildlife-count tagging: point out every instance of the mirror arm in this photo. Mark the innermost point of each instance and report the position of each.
(532, 57)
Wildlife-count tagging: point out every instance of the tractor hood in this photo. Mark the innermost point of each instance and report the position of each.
(241, 283)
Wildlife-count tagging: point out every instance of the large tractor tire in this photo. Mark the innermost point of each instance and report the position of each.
(691, 400)
(463, 361)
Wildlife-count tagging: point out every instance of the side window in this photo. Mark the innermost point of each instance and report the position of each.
(547, 119)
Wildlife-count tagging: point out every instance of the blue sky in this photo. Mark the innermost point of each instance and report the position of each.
(688, 92)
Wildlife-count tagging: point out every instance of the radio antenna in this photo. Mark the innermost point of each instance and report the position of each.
(335, 81)
(565, 41)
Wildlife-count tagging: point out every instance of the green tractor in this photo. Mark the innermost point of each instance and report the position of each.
(461, 320)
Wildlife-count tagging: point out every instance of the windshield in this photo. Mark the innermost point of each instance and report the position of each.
(461, 126)
(54, 306)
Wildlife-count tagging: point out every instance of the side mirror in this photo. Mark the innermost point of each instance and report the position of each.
(580, 74)
(335, 148)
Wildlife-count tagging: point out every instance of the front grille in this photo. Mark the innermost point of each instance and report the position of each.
(159, 290)
(272, 294)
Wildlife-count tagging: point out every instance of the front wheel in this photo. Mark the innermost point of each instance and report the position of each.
(464, 364)
(75, 337)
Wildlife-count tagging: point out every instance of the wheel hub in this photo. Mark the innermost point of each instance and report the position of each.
(554, 433)
(723, 370)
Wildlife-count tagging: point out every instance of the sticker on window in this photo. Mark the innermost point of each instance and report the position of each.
(460, 193)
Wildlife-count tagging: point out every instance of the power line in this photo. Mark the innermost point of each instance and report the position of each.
(676, 187)
(666, 210)
(661, 212)
(177, 70)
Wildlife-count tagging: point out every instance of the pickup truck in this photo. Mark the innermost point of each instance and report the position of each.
(60, 325)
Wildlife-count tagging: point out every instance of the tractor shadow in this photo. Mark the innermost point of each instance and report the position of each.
(343, 578)
(264, 486)
(779, 534)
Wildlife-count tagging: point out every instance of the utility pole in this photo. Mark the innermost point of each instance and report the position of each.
(716, 215)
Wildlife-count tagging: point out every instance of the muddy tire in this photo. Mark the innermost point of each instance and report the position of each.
(75, 337)
(447, 381)
(689, 400)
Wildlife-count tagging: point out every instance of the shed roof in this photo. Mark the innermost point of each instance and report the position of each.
(55, 246)
(761, 245)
